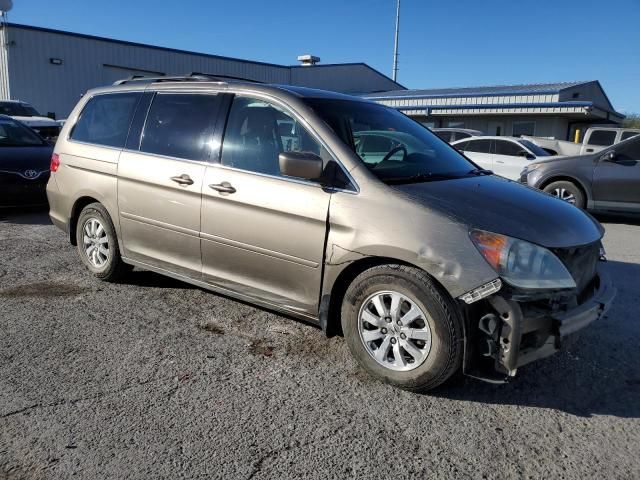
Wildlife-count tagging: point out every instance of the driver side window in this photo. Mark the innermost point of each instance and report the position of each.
(258, 131)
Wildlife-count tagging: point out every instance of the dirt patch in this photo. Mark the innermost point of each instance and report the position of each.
(212, 327)
(43, 290)
(259, 347)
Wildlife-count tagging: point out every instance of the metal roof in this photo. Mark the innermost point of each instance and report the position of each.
(526, 89)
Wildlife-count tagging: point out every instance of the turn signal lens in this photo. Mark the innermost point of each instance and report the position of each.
(55, 162)
(522, 264)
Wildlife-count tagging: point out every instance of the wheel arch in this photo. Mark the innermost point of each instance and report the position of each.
(331, 301)
(568, 178)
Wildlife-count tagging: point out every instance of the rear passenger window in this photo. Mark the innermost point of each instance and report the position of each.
(180, 125)
(105, 119)
(602, 137)
(257, 132)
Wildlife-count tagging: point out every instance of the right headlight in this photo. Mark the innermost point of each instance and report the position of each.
(520, 263)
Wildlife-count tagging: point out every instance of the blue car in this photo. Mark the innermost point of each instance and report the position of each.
(24, 164)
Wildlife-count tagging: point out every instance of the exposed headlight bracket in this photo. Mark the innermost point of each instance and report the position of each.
(482, 291)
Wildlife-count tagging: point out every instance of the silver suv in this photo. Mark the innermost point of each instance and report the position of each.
(424, 262)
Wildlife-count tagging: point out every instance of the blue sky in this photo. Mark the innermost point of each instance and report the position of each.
(442, 44)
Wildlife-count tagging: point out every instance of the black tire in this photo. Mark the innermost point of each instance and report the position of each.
(114, 268)
(566, 186)
(444, 320)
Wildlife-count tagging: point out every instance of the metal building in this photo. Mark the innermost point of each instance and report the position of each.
(546, 109)
(51, 68)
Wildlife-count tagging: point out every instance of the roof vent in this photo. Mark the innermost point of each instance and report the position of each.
(308, 60)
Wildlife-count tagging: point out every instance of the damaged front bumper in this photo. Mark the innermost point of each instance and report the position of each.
(512, 328)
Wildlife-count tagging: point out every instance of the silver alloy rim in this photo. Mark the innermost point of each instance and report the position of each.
(564, 194)
(95, 242)
(394, 330)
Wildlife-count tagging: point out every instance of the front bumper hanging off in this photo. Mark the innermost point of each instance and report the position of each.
(517, 332)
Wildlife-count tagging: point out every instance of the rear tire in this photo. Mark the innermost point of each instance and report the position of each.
(415, 355)
(98, 244)
(567, 191)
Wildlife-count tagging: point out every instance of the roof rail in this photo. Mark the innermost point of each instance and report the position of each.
(180, 78)
(224, 77)
(190, 77)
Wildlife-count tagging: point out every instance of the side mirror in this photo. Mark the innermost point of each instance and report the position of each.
(305, 165)
(609, 156)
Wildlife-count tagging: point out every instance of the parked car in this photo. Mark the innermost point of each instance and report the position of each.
(506, 156)
(24, 164)
(595, 139)
(607, 180)
(427, 264)
(450, 135)
(46, 127)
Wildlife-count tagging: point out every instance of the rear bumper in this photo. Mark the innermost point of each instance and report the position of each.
(514, 333)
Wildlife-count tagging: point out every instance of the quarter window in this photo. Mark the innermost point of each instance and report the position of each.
(602, 137)
(258, 131)
(105, 119)
(180, 125)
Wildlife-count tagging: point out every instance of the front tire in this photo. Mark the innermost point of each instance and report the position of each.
(402, 328)
(567, 191)
(98, 244)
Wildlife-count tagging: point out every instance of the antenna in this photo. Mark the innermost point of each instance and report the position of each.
(5, 6)
(395, 47)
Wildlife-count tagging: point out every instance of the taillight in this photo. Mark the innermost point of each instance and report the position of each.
(55, 162)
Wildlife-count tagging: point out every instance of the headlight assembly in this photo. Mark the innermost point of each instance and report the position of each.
(522, 264)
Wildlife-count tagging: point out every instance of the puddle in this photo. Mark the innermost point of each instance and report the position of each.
(43, 290)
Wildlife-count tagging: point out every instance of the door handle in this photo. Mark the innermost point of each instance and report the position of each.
(183, 179)
(499, 161)
(224, 187)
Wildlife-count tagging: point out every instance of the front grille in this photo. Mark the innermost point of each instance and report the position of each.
(582, 263)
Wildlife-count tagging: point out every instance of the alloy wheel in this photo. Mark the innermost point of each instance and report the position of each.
(564, 194)
(95, 242)
(394, 331)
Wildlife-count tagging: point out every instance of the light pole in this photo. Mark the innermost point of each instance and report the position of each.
(395, 47)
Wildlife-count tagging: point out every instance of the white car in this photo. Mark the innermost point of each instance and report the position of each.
(25, 113)
(506, 156)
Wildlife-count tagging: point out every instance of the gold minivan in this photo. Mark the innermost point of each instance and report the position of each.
(333, 209)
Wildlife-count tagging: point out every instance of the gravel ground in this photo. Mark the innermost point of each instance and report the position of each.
(153, 378)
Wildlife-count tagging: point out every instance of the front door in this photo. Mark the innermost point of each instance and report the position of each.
(616, 182)
(159, 186)
(509, 159)
(263, 234)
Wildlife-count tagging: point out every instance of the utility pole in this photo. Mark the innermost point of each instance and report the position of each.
(395, 47)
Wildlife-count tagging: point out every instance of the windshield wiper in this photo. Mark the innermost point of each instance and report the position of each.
(419, 177)
(480, 171)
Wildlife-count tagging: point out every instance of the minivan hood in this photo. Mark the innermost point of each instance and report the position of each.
(499, 205)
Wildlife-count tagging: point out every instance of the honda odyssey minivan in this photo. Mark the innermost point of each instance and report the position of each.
(426, 263)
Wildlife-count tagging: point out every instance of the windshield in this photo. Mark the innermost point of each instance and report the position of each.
(535, 149)
(12, 134)
(394, 147)
(15, 109)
